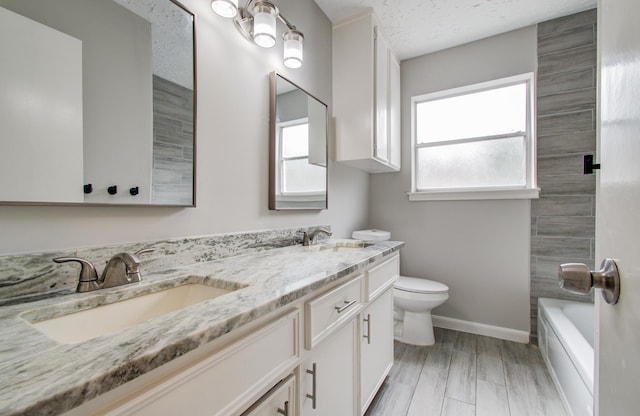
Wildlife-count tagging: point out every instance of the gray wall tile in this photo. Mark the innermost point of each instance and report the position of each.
(575, 142)
(584, 99)
(562, 205)
(569, 39)
(565, 23)
(567, 60)
(566, 81)
(566, 226)
(560, 165)
(572, 248)
(567, 185)
(562, 123)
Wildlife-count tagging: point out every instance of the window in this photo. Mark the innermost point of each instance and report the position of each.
(297, 176)
(474, 142)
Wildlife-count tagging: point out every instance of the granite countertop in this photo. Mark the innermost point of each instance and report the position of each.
(43, 377)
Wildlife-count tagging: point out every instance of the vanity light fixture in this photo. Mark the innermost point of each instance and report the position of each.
(257, 22)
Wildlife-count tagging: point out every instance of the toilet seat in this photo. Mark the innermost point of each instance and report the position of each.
(417, 285)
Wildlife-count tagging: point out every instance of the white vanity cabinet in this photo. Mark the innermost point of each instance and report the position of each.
(366, 96)
(325, 354)
(223, 383)
(330, 364)
(376, 342)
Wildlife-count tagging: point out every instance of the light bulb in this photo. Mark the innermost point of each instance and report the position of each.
(225, 8)
(264, 24)
(292, 49)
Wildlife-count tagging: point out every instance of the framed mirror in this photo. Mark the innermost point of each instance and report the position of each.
(297, 147)
(97, 103)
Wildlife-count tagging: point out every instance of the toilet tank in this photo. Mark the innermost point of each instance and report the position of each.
(371, 235)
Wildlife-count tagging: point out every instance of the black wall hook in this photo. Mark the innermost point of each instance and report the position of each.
(88, 188)
(112, 190)
(134, 191)
(588, 165)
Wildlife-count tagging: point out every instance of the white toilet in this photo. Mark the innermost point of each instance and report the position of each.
(413, 300)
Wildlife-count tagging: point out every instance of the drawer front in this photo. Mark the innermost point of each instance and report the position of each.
(228, 381)
(279, 401)
(381, 277)
(329, 311)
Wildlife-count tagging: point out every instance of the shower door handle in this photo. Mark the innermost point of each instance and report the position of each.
(577, 278)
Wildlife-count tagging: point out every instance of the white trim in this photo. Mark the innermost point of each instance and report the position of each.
(462, 195)
(481, 329)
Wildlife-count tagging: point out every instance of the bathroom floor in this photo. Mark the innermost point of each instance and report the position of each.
(465, 374)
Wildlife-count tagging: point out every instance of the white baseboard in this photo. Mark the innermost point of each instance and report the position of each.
(481, 329)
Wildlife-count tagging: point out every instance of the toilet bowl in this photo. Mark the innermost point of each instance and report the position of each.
(413, 300)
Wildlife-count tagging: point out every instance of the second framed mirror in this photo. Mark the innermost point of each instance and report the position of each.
(298, 168)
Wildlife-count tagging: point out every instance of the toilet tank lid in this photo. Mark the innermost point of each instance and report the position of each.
(415, 284)
(371, 235)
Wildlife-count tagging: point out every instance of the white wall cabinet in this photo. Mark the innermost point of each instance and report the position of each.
(366, 96)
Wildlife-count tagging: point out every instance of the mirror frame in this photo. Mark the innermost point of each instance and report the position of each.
(195, 142)
(273, 139)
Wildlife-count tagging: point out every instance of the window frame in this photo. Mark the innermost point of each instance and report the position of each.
(290, 196)
(528, 191)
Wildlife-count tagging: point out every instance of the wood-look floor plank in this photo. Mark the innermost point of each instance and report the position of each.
(454, 407)
(550, 399)
(466, 342)
(462, 377)
(428, 397)
(393, 399)
(408, 365)
(491, 399)
(490, 366)
(521, 388)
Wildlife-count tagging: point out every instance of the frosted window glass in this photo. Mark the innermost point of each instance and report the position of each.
(298, 176)
(485, 113)
(295, 140)
(499, 162)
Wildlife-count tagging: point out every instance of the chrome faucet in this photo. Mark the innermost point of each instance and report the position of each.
(308, 239)
(121, 269)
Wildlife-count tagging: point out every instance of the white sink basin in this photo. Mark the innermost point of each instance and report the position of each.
(107, 319)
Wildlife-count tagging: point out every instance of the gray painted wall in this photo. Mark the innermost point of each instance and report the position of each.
(480, 249)
(563, 219)
(232, 151)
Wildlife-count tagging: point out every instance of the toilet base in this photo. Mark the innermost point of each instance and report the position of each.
(416, 329)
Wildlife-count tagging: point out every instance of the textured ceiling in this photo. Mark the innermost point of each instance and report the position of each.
(417, 27)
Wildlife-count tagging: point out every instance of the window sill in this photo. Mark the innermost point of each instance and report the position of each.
(474, 195)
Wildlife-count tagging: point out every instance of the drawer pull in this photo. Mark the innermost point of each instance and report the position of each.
(284, 411)
(347, 305)
(312, 396)
(368, 335)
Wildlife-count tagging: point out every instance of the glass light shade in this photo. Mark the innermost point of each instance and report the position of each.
(264, 24)
(225, 8)
(293, 41)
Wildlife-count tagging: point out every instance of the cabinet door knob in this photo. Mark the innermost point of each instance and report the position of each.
(577, 278)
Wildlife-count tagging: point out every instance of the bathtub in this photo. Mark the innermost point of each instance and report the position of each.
(565, 338)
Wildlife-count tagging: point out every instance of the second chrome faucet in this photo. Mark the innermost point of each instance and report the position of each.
(121, 269)
(308, 239)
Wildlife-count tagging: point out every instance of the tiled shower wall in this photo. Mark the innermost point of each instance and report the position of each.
(172, 177)
(563, 218)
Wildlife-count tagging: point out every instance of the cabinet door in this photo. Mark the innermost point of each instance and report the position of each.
(394, 111)
(328, 375)
(381, 105)
(279, 401)
(376, 346)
